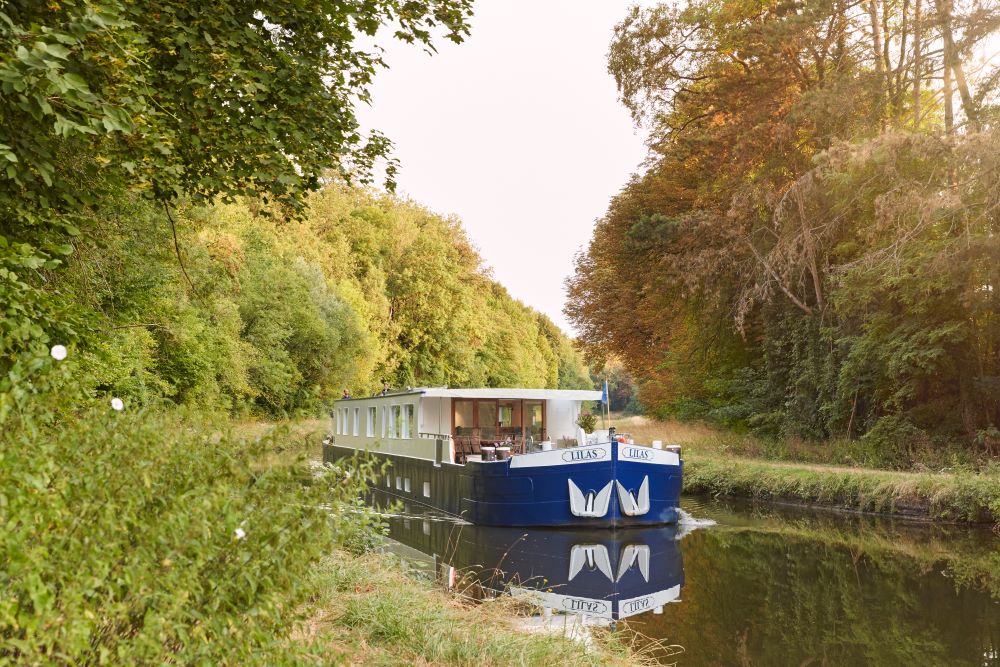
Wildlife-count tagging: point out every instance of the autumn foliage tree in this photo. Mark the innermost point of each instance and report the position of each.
(811, 250)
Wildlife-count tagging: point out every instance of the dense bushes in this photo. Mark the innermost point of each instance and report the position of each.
(144, 537)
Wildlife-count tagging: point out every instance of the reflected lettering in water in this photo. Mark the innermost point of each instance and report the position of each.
(765, 586)
(600, 573)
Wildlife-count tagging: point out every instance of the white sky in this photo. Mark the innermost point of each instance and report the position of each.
(517, 131)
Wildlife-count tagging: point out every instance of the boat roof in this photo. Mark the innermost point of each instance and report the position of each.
(536, 394)
(497, 392)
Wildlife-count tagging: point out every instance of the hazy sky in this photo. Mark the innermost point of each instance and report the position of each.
(518, 132)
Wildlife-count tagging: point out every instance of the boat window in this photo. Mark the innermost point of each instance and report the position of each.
(427, 489)
(409, 429)
(370, 425)
(357, 420)
(464, 417)
(383, 420)
(336, 414)
(534, 420)
(510, 420)
(487, 419)
(399, 483)
(394, 419)
(406, 485)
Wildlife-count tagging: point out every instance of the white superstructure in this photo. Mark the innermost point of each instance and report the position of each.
(409, 423)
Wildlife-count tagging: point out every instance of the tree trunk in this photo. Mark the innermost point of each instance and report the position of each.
(963, 90)
(917, 63)
(949, 110)
(952, 65)
(879, 63)
(900, 78)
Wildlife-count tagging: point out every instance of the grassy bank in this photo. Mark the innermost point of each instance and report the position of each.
(215, 543)
(366, 610)
(717, 463)
(941, 496)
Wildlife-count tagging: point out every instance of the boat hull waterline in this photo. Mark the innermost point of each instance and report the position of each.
(608, 484)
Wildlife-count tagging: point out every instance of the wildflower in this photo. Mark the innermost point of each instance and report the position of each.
(58, 352)
(117, 404)
(239, 533)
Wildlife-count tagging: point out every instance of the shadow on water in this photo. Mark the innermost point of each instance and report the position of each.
(764, 585)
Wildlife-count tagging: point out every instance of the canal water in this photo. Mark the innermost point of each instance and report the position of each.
(737, 583)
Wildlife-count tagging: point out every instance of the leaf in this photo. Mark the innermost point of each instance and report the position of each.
(57, 50)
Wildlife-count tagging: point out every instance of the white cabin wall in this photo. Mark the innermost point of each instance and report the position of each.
(435, 416)
(414, 446)
(561, 419)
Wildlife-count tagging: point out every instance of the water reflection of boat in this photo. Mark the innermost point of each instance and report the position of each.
(598, 573)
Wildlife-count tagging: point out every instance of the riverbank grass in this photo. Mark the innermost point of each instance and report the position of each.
(367, 610)
(716, 464)
(940, 496)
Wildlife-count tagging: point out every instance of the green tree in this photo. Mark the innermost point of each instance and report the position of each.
(174, 100)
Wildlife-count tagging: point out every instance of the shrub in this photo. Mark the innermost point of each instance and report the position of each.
(154, 537)
(891, 441)
(587, 421)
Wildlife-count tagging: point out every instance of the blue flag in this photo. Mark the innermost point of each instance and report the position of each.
(604, 393)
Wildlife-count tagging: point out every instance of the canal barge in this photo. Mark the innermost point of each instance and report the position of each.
(508, 457)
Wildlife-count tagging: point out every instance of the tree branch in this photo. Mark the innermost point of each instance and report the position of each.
(177, 246)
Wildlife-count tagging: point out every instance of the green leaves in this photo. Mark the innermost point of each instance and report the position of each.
(148, 538)
(178, 101)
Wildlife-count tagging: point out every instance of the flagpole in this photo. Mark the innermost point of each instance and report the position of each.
(604, 397)
(607, 403)
(608, 394)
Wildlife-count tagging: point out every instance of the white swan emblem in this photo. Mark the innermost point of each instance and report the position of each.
(592, 504)
(631, 505)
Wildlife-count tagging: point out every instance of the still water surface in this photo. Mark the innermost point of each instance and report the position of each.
(741, 584)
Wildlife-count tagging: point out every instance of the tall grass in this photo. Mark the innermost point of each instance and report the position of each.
(862, 452)
(724, 463)
(375, 614)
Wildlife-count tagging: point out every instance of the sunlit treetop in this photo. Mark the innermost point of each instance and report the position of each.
(198, 98)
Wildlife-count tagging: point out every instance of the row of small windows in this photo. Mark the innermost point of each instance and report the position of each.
(403, 484)
(398, 421)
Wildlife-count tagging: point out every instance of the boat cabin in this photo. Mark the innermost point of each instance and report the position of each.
(409, 423)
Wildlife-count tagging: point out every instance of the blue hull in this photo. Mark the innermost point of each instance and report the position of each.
(605, 485)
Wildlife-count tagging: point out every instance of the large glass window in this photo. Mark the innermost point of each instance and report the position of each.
(464, 418)
(487, 413)
(534, 415)
(370, 425)
(409, 423)
(394, 421)
(336, 414)
(510, 419)
(357, 420)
